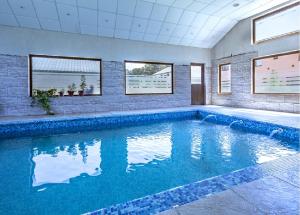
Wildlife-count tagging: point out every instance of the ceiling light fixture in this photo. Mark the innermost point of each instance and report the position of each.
(68, 14)
(236, 5)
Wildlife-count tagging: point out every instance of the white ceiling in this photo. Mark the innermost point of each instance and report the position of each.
(198, 23)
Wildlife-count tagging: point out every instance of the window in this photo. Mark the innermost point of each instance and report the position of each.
(276, 24)
(277, 73)
(148, 78)
(68, 75)
(225, 79)
(196, 73)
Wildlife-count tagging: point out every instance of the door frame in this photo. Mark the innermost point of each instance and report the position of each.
(202, 65)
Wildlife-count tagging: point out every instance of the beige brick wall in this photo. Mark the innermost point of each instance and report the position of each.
(241, 88)
(14, 99)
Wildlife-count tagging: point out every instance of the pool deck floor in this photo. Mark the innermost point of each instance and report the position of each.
(277, 193)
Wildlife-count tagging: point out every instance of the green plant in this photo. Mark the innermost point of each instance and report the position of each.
(72, 87)
(83, 83)
(42, 98)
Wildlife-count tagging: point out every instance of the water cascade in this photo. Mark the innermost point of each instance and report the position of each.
(236, 121)
(276, 131)
(207, 117)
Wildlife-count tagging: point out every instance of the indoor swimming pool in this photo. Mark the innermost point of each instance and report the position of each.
(79, 172)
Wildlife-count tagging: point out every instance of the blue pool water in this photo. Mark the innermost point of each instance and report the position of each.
(80, 172)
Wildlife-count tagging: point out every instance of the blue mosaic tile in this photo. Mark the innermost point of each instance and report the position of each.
(288, 133)
(185, 194)
(73, 124)
(165, 200)
(188, 193)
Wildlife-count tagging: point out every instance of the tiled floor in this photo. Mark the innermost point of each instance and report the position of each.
(277, 193)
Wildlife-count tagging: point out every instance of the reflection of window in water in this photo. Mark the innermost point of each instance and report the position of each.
(146, 149)
(63, 163)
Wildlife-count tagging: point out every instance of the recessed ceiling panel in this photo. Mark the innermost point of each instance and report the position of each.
(199, 23)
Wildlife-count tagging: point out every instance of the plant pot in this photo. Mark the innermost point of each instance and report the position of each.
(61, 93)
(81, 92)
(70, 93)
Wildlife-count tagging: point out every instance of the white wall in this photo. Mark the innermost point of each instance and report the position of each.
(21, 41)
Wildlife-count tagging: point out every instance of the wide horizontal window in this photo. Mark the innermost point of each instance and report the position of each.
(148, 78)
(277, 73)
(224, 78)
(68, 76)
(277, 23)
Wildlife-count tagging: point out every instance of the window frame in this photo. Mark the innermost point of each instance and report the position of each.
(219, 79)
(63, 57)
(270, 56)
(148, 62)
(279, 10)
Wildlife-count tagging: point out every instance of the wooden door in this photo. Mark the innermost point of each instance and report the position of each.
(197, 84)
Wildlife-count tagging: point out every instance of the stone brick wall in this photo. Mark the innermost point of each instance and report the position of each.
(241, 88)
(14, 99)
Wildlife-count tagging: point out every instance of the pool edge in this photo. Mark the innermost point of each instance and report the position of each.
(184, 194)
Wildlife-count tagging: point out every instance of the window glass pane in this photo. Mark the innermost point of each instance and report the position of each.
(277, 24)
(196, 74)
(148, 78)
(61, 74)
(225, 76)
(277, 74)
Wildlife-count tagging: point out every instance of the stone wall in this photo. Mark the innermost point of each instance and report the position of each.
(241, 95)
(14, 99)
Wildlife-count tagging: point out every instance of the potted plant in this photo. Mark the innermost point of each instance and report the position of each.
(42, 98)
(82, 85)
(62, 92)
(71, 89)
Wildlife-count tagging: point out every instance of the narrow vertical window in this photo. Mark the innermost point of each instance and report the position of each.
(225, 79)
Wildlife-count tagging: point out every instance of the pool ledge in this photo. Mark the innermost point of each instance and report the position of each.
(182, 195)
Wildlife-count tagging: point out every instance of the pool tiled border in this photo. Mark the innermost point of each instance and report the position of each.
(36, 127)
(188, 193)
(254, 126)
(65, 124)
